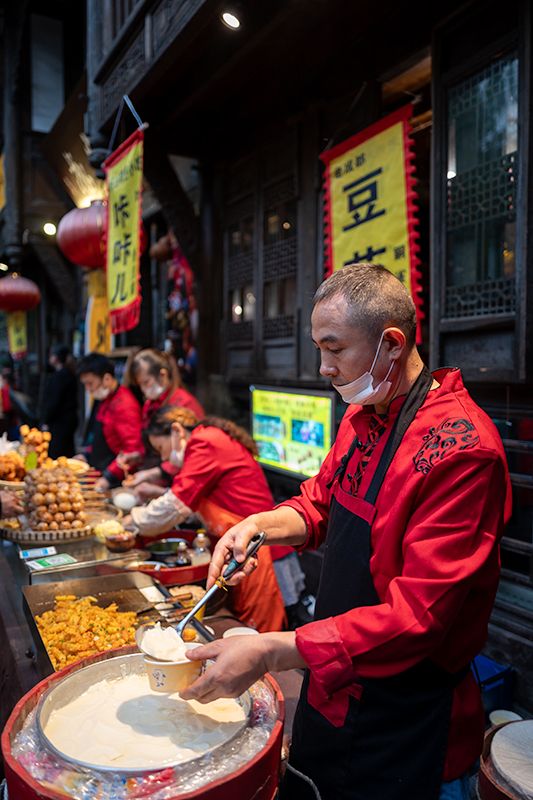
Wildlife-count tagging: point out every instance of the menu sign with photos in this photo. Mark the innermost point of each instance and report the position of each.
(293, 430)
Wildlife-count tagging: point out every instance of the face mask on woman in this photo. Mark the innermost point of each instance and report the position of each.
(178, 444)
(176, 458)
(154, 391)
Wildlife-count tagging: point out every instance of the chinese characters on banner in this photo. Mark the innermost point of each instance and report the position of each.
(124, 172)
(17, 334)
(370, 201)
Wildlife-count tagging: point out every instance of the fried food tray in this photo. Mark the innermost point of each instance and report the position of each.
(125, 589)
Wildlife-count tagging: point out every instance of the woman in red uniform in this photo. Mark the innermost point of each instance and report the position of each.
(157, 376)
(220, 480)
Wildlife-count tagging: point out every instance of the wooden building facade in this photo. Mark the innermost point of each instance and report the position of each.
(255, 108)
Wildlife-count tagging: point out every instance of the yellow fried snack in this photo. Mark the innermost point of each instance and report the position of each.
(77, 628)
(12, 467)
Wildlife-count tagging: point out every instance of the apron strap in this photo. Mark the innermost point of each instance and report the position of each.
(414, 400)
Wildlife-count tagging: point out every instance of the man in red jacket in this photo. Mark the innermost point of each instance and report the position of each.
(114, 426)
(411, 501)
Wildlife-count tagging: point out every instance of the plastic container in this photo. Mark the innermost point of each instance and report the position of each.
(496, 682)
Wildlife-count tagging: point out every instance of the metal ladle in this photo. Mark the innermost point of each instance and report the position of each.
(220, 583)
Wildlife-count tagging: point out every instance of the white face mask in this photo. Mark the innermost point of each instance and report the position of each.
(101, 393)
(154, 391)
(362, 391)
(176, 458)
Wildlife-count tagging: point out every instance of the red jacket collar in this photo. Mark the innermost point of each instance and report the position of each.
(449, 378)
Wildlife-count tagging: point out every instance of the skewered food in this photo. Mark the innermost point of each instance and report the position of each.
(53, 499)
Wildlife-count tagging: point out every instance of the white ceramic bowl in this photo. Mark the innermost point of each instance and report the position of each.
(239, 632)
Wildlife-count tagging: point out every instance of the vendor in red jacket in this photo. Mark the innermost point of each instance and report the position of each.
(220, 480)
(156, 374)
(114, 426)
(411, 502)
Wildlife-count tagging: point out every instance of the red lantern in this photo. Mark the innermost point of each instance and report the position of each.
(80, 235)
(18, 294)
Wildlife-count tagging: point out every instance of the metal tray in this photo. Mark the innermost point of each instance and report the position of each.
(77, 682)
(123, 588)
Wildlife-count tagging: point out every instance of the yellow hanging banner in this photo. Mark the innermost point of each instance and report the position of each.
(17, 334)
(370, 201)
(124, 172)
(97, 326)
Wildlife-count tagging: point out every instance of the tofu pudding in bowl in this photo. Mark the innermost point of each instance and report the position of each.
(168, 668)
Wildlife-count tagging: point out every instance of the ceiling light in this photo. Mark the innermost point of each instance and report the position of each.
(230, 20)
(49, 228)
(4, 267)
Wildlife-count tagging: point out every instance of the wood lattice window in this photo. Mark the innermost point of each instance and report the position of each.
(482, 173)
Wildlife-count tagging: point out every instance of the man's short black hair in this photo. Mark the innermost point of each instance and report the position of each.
(97, 364)
(375, 297)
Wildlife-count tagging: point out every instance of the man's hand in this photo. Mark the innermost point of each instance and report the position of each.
(283, 525)
(239, 662)
(102, 484)
(126, 460)
(143, 476)
(11, 504)
(80, 457)
(233, 543)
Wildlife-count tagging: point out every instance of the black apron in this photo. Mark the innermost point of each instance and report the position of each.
(392, 745)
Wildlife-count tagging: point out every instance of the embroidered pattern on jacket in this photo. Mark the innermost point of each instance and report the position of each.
(376, 429)
(441, 440)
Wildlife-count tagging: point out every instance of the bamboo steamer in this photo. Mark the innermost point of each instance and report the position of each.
(258, 779)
